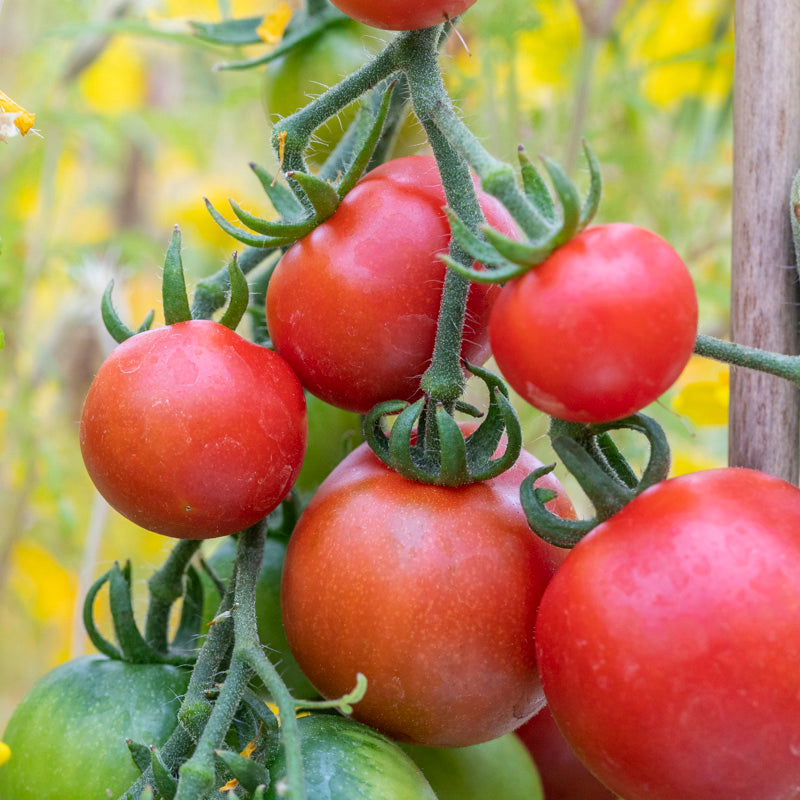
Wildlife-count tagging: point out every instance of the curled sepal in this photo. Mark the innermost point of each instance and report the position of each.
(570, 202)
(323, 197)
(173, 283)
(367, 146)
(114, 325)
(281, 197)
(276, 230)
(140, 753)
(239, 295)
(166, 784)
(246, 237)
(249, 773)
(592, 200)
(548, 526)
(343, 704)
(191, 620)
(98, 640)
(535, 188)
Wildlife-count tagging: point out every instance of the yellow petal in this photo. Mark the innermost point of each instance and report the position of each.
(14, 119)
(274, 24)
(5, 753)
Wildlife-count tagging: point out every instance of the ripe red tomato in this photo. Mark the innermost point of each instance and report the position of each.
(563, 775)
(601, 328)
(192, 431)
(402, 15)
(429, 591)
(353, 306)
(669, 641)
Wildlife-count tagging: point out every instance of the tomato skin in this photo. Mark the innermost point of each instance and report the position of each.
(192, 431)
(669, 639)
(500, 768)
(353, 306)
(601, 328)
(563, 775)
(343, 760)
(402, 15)
(67, 736)
(429, 591)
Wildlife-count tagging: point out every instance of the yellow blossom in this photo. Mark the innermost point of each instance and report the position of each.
(5, 753)
(274, 24)
(14, 119)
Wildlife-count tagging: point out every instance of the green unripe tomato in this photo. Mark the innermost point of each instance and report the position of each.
(501, 768)
(268, 609)
(308, 69)
(67, 736)
(344, 760)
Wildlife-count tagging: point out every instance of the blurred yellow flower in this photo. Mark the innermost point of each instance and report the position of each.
(14, 119)
(703, 396)
(5, 753)
(117, 81)
(46, 587)
(274, 24)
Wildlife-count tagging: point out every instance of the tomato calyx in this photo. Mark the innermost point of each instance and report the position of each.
(427, 445)
(605, 476)
(547, 224)
(176, 300)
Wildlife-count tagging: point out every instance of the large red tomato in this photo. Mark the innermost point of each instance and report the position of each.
(429, 591)
(669, 641)
(402, 15)
(353, 306)
(601, 328)
(192, 431)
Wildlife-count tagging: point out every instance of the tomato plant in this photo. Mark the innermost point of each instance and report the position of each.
(669, 639)
(402, 15)
(429, 591)
(564, 777)
(474, 773)
(600, 329)
(67, 736)
(291, 80)
(343, 760)
(192, 431)
(353, 306)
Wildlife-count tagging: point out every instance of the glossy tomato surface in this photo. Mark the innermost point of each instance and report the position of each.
(343, 760)
(67, 736)
(500, 768)
(669, 639)
(192, 431)
(402, 15)
(563, 775)
(353, 306)
(429, 591)
(601, 328)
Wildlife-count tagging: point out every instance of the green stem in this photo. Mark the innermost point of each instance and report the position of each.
(166, 586)
(589, 49)
(740, 355)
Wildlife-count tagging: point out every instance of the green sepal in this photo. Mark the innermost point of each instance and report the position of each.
(166, 784)
(275, 230)
(526, 254)
(535, 188)
(173, 283)
(323, 197)
(367, 147)
(407, 459)
(452, 451)
(592, 201)
(140, 753)
(193, 718)
(570, 203)
(230, 31)
(372, 428)
(504, 272)
(557, 531)
(252, 239)
(114, 325)
(191, 619)
(248, 772)
(281, 197)
(239, 296)
(605, 452)
(479, 249)
(101, 644)
(269, 730)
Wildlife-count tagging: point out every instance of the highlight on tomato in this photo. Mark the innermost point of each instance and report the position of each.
(429, 591)
(353, 306)
(601, 328)
(192, 431)
(668, 641)
(402, 15)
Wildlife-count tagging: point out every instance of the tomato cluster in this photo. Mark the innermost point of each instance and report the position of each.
(665, 644)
